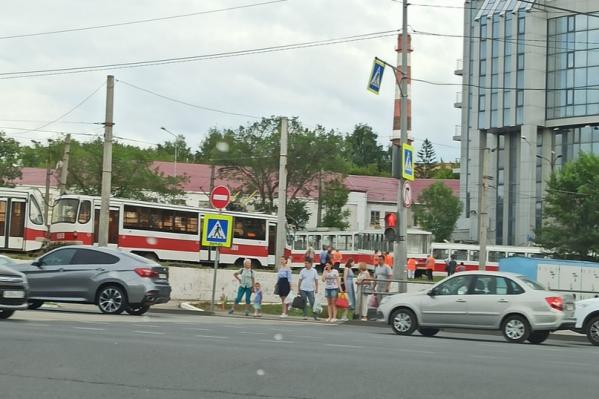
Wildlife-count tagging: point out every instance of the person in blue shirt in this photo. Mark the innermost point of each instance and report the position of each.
(257, 300)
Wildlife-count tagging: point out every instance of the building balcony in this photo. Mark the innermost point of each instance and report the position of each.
(458, 100)
(457, 136)
(459, 71)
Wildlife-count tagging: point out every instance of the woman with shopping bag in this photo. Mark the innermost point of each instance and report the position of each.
(332, 286)
(364, 288)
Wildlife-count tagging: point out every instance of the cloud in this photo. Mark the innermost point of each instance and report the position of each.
(323, 85)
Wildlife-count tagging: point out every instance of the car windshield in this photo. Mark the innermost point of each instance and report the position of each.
(4, 260)
(532, 284)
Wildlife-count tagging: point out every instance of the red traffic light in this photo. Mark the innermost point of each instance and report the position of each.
(390, 220)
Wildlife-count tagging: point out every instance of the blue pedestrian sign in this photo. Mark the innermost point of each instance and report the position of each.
(217, 230)
(376, 76)
(407, 170)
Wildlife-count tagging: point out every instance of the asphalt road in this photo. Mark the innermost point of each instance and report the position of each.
(69, 354)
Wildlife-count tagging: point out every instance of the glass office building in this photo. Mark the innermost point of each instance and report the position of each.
(531, 96)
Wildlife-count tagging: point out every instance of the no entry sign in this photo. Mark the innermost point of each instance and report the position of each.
(220, 197)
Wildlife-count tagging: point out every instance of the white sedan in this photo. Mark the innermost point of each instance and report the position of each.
(587, 319)
(517, 305)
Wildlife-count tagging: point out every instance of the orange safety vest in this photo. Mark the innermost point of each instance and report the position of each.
(389, 260)
(430, 264)
(412, 264)
(375, 259)
(337, 257)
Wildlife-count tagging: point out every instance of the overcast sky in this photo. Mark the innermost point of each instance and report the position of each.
(323, 84)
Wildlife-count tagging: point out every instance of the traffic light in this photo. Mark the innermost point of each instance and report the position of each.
(391, 226)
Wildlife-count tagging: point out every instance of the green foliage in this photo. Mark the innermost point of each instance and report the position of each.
(132, 175)
(571, 210)
(297, 213)
(438, 210)
(166, 152)
(426, 161)
(444, 172)
(252, 157)
(334, 198)
(9, 160)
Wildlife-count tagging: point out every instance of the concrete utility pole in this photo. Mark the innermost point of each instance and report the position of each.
(319, 209)
(401, 249)
(65, 165)
(106, 166)
(483, 218)
(48, 177)
(212, 177)
(282, 197)
(176, 148)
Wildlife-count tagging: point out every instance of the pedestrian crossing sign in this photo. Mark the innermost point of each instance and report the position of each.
(376, 76)
(407, 169)
(217, 230)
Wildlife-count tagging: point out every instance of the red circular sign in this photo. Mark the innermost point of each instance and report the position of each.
(220, 197)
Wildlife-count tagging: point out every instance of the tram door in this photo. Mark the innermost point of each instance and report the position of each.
(12, 223)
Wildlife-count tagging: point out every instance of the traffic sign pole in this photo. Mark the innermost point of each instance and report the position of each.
(216, 260)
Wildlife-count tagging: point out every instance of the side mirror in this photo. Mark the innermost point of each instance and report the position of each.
(36, 263)
(431, 293)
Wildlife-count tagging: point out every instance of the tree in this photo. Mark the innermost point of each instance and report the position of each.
(571, 210)
(438, 210)
(366, 156)
(444, 172)
(297, 214)
(334, 198)
(132, 173)
(250, 155)
(9, 160)
(166, 152)
(427, 160)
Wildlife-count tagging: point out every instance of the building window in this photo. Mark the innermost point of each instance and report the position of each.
(375, 218)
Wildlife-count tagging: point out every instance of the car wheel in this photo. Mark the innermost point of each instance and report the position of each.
(428, 332)
(5, 314)
(593, 331)
(35, 304)
(137, 310)
(538, 337)
(112, 300)
(515, 329)
(403, 322)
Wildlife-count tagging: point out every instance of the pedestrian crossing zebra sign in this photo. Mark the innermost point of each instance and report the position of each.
(408, 162)
(217, 230)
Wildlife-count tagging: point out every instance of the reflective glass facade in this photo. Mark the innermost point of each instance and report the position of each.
(572, 67)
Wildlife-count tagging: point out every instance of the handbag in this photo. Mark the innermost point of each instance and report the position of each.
(276, 290)
(298, 303)
(373, 301)
(342, 301)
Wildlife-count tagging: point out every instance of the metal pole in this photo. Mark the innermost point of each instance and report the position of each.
(216, 260)
(319, 209)
(47, 193)
(106, 166)
(484, 220)
(401, 249)
(65, 165)
(212, 177)
(282, 197)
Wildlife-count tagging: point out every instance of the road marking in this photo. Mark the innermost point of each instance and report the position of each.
(309, 337)
(89, 328)
(279, 330)
(197, 329)
(149, 332)
(252, 333)
(146, 326)
(573, 364)
(275, 341)
(210, 336)
(38, 325)
(345, 346)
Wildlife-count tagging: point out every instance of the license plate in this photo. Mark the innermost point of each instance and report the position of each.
(569, 306)
(162, 276)
(14, 294)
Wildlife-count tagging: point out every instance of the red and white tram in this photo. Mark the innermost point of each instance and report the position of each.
(22, 227)
(163, 231)
(359, 245)
(470, 254)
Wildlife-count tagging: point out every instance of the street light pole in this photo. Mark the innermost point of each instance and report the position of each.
(48, 176)
(551, 161)
(176, 147)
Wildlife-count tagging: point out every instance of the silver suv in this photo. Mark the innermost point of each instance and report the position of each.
(518, 306)
(13, 291)
(113, 280)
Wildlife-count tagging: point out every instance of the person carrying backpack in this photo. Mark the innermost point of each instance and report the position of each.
(247, 280)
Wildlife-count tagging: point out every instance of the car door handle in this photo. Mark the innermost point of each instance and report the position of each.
(461, 300)
(503, 301)
(61, 270)
(100, 269)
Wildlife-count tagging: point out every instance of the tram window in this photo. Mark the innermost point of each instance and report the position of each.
(186, 222)
(345, 243)
(329, 241)
(315, 241)
(441, 254)
(299, 243)
(358, 241)
(35, 212)
(474, 255)
(494, 256)
(249, 228)
(65, 210)
(536, 255)
(85, 212)
(509, 254)
(460, 254)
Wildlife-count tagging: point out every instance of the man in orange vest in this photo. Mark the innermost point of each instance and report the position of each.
(411, 268)
(430, 266)
(337, 258)
(389, 259)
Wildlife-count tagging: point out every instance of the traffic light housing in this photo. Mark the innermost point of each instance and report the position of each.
(391, 226)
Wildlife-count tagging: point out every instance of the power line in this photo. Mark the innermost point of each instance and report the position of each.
(139, 21)
(137, 64)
